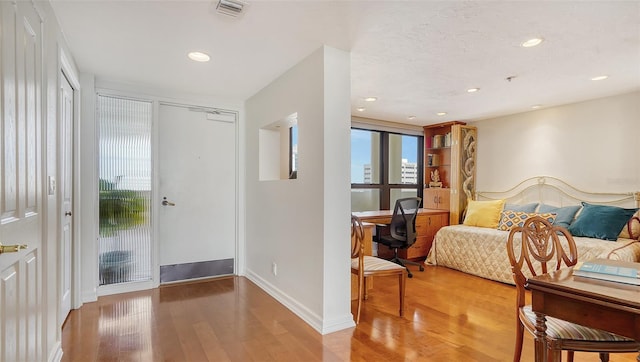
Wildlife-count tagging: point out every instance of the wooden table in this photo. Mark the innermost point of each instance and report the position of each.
(610, 306)
(428, 222)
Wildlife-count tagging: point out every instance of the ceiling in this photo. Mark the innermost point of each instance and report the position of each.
(417, 57)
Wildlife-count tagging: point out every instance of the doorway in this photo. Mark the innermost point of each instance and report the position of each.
(65, 137)
(197, 219)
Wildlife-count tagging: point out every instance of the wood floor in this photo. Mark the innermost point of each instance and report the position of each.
(450, 316)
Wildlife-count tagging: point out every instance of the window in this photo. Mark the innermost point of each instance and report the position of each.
(385, 167)
(124, 245)
(293, 151)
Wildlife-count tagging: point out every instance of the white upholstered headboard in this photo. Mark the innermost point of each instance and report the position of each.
(553, 191)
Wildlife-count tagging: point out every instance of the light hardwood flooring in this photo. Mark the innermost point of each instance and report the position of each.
(450, 316)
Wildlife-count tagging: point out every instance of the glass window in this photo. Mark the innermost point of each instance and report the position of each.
(365, 157)
(403, 159)
(365, 199)
(384, 167)
(401, 194)
(124, 245)
(293, 151)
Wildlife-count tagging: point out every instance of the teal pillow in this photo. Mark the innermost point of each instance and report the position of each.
(524, 208)
(564, 215)
(600, 221)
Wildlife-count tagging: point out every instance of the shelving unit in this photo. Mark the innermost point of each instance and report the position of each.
(455, 153)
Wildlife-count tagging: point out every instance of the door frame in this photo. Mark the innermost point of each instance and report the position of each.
(238, 190)
(67, 70)
(108, 88)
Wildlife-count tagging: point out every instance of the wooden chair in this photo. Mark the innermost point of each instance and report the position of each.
(367, 266)
(539, 251)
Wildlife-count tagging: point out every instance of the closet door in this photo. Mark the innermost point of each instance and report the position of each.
(20, 186)
(197, 191)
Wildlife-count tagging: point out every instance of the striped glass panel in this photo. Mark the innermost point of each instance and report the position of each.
(125, 189)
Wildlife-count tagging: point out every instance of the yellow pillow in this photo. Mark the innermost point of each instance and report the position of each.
(484, 213)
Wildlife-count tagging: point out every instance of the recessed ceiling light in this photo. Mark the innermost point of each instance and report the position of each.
(199, 56)
(600, 77)
(536, 106)
(532, 42)
(411, 117)
(441, 113)
(473, 90)
(360, 109)
(371, 99)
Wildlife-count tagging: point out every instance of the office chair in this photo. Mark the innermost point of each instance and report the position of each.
(400, 233)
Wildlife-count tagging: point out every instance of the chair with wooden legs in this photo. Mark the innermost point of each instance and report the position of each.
(367, 266)
(536, 248)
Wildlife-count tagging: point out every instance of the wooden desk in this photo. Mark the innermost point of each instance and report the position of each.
(613, 307)
(428, 222)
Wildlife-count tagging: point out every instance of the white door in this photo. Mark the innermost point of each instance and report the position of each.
(65, 160)
(197, 185)
(21, 196)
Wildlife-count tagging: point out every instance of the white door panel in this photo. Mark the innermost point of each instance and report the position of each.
(197, 172)
(65, 160)
(21, 302)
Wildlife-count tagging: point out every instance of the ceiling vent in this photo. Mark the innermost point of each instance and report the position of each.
(233, 8)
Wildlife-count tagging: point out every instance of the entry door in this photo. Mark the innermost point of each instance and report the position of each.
(66, 196)
(197, 190)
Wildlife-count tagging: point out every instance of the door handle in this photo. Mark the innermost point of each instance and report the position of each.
(166, 202)
(11, 248)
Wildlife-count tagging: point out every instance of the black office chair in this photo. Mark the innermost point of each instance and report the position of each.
(401, 232)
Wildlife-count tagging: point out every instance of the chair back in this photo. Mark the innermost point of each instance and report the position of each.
(535, 248)
(403, 221)
(357, 235)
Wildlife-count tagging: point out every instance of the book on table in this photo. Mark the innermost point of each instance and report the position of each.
(611, 270)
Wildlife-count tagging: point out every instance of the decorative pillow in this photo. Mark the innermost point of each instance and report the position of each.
(564, 215)
(632, 229)
(600, 221)
(510, 219)
(524, 208)
(483, 213)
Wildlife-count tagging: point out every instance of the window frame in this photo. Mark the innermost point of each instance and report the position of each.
(384, 187)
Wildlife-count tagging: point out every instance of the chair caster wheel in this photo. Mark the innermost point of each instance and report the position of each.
(409, 275)
(421, 268)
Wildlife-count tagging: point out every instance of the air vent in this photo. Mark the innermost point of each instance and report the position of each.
(232, 8)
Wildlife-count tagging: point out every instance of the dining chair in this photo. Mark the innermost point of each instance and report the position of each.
(536, 248)
(364, 266)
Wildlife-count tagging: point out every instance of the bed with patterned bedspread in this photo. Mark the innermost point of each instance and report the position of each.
(603, 225)
(482, 251)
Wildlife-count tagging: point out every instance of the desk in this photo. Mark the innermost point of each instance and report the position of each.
(613, 307)
(428, 222)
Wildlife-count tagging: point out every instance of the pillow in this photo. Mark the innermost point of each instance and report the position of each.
(564, 215)
(510, 219)
(483, 213)
(632, 229)
(600, 221)
(524, 208)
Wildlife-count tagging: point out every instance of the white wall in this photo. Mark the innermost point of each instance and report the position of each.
(302, 225)
(592, 145)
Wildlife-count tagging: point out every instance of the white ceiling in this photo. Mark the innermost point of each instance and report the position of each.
(417, 57)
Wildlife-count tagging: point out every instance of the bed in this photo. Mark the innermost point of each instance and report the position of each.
(481, 251)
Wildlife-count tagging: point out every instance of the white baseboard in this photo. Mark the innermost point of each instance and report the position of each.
(55, 355)
(311, 318)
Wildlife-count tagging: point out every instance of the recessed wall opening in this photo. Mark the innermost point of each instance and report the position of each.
(278, 148)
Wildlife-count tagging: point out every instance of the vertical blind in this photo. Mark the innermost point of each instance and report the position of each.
(125, 189)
